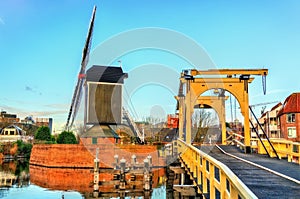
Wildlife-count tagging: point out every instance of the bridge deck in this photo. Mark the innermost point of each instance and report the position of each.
(262, 183)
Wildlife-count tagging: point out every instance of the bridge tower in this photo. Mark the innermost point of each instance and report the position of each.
(218, 104)
(193, 83)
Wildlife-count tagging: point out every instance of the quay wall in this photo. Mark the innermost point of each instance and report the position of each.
(82, 156)
(61, 155)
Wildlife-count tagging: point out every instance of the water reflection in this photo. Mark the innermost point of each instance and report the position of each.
(68, 183)
(13, 173)
(81, 180)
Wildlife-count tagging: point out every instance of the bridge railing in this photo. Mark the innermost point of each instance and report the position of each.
(284, 148)
(211, 176)
(237, 139)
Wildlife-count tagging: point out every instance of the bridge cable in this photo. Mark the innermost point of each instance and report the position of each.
(256, 131)
(264, 132)
(264, 84)
(231, 107)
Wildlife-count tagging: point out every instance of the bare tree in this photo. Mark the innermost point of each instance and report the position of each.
(202, 120)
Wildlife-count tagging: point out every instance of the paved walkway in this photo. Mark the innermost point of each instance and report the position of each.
(262, 183)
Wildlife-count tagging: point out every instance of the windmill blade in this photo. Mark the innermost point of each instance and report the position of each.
(84, 61)
(88, 42)
(77, 102)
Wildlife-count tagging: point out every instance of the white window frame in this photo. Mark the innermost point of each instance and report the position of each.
(291, 131)
(290, 117)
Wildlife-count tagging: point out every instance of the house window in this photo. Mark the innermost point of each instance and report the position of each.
(273, 134)
(94, 141)
(6, 132)
(273, 121)
(291, 117)
(12, 133)
(292, 132)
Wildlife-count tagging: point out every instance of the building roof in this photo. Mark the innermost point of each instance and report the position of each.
(110, 74)
(102, 131)
(291, 104)
(276, 106)
(19, 130)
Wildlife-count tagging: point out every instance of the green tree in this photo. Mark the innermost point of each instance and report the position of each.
(43, 133)
(66, 137)
(24, 149)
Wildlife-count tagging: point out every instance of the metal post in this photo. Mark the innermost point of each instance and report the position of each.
(188, 137)
(247, 133)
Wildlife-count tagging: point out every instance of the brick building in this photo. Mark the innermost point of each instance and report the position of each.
(289, 117)
(8, 118)
(100, 134)
(172, 121)
(44, 122)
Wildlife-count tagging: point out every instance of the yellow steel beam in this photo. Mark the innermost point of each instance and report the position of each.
(212, 98)
(230, 72)
(217, 80)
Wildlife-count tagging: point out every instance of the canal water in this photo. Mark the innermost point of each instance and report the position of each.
(20, 180)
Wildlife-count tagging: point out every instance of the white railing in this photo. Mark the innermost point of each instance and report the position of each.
(211, 175)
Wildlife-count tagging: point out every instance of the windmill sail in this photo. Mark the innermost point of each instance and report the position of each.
(81, 77)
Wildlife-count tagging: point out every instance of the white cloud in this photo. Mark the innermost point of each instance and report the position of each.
(58, 106)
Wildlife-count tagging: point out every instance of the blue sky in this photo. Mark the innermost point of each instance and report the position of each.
(41, 44)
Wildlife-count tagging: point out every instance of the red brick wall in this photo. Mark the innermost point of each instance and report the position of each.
(63, 155)
(284, 125)
(82, 155)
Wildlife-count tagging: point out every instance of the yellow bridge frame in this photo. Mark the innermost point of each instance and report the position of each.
(218, 104)
(193, 83)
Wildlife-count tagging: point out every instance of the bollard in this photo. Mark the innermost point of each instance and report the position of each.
(123, 165)
(116, 157)
(150, 161)
(147, 177)
(96, 175)
(122, 174)
(146, 165)
(133, 161)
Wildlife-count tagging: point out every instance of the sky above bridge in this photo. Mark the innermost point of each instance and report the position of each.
(41, 44)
